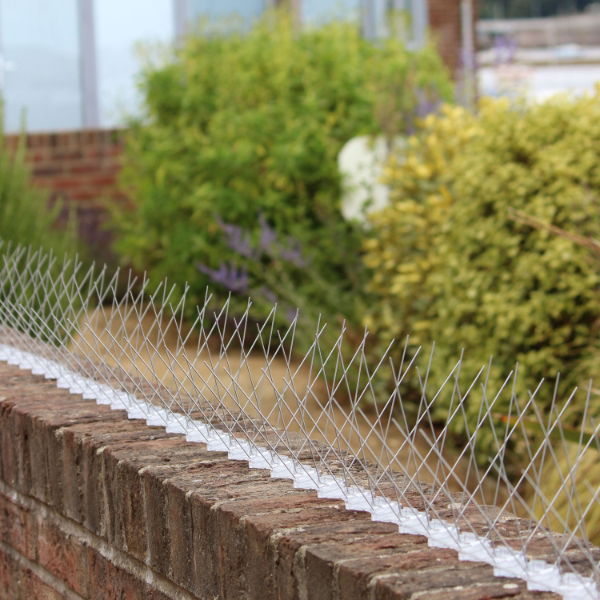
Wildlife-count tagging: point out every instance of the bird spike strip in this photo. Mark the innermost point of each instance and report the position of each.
(320, 417)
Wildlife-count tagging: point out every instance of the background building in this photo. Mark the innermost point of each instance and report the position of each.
(71, 65)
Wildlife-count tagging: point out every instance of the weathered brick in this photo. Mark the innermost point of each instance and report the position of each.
(20, 583)
(286, 546)
(88, 495)
(474, 581)
(16, 527)
(64, 556)
(321, 561)
(10, 577)
(110, 582)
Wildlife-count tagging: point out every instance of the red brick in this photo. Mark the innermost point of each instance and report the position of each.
(105, 180)
(20, 583)
(63, 556)
(46, 171)
(16, 527)
(110, 582)
(84, 168)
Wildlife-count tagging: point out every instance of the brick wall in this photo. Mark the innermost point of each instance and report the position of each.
(93, 505)
(81, 169)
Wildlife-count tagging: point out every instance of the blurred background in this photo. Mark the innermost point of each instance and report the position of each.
(72, 64)
(539, 47)
(75, 66)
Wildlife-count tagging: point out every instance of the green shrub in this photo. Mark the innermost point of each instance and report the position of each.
(27, 219)
(451, 264)
(232, 170)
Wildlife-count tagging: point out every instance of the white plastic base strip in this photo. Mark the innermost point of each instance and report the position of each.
(539, 575)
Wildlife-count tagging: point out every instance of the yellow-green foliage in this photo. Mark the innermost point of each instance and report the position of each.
(571, 480)
(452, 266)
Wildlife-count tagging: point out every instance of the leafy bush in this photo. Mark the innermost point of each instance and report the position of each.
(232, 170)
(452, 264)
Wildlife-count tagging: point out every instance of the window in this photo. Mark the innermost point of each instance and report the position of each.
(72, 64)
(314, 12)
(120, 26)
(40, 59)
(245, 10)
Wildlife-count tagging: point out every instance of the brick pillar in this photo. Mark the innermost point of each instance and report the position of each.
(445, 24)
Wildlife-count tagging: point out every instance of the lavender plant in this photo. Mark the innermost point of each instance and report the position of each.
(272, 270)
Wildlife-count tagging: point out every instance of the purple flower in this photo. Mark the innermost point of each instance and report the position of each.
(237, 239)
(505, 49)
(293, 254)
(228, 275)
(426, 104)
(268, 236)
(268, 294)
